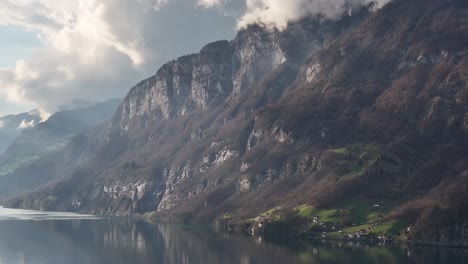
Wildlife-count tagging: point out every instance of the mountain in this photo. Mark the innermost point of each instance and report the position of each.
(75, 104)
(360, 125)
(46, 138)
(12, 125)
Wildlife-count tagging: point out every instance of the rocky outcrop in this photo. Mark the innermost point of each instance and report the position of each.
(199, 81)
(194, 81)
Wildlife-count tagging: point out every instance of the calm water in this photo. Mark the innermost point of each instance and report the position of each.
(48, 238)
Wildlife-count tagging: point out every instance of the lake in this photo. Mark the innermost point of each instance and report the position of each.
(57, 238)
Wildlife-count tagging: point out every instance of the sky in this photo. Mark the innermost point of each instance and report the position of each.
(53, 52)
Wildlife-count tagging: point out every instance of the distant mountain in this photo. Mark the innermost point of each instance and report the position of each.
(50, 136)
(12, 125)
(75, 104)
(356, 127)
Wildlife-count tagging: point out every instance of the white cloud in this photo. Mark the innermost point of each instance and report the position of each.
(209, 3)
(90, 44)
(40, 113)
(2, 124)
(276, 14)
(25, 124)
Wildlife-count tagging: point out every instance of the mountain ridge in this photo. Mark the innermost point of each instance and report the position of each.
(283, 125)
(11, 126)
(44, 140)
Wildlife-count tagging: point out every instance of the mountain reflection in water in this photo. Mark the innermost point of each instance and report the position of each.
(118, 241)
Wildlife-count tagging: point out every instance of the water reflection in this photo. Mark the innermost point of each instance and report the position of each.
(122, 241)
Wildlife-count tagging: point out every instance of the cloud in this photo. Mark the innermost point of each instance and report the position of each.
(97, 49)
(92, 46)
(2, 124)
(276, 14)
(209, 3)
(41, 114)
(25, 124)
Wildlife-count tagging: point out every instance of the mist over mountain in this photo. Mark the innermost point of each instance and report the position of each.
(44, 140)
(319, 119)
(12, 125)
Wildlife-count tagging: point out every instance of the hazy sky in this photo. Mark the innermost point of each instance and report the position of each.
(56, 51)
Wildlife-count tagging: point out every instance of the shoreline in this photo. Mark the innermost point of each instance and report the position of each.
(246, 229)
(401, 240)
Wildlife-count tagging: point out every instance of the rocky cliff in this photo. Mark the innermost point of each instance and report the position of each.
(365, 113)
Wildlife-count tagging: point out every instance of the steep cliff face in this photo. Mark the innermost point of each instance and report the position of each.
(204, 80)
(179, 87)
(368, 108)
(223, 70)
